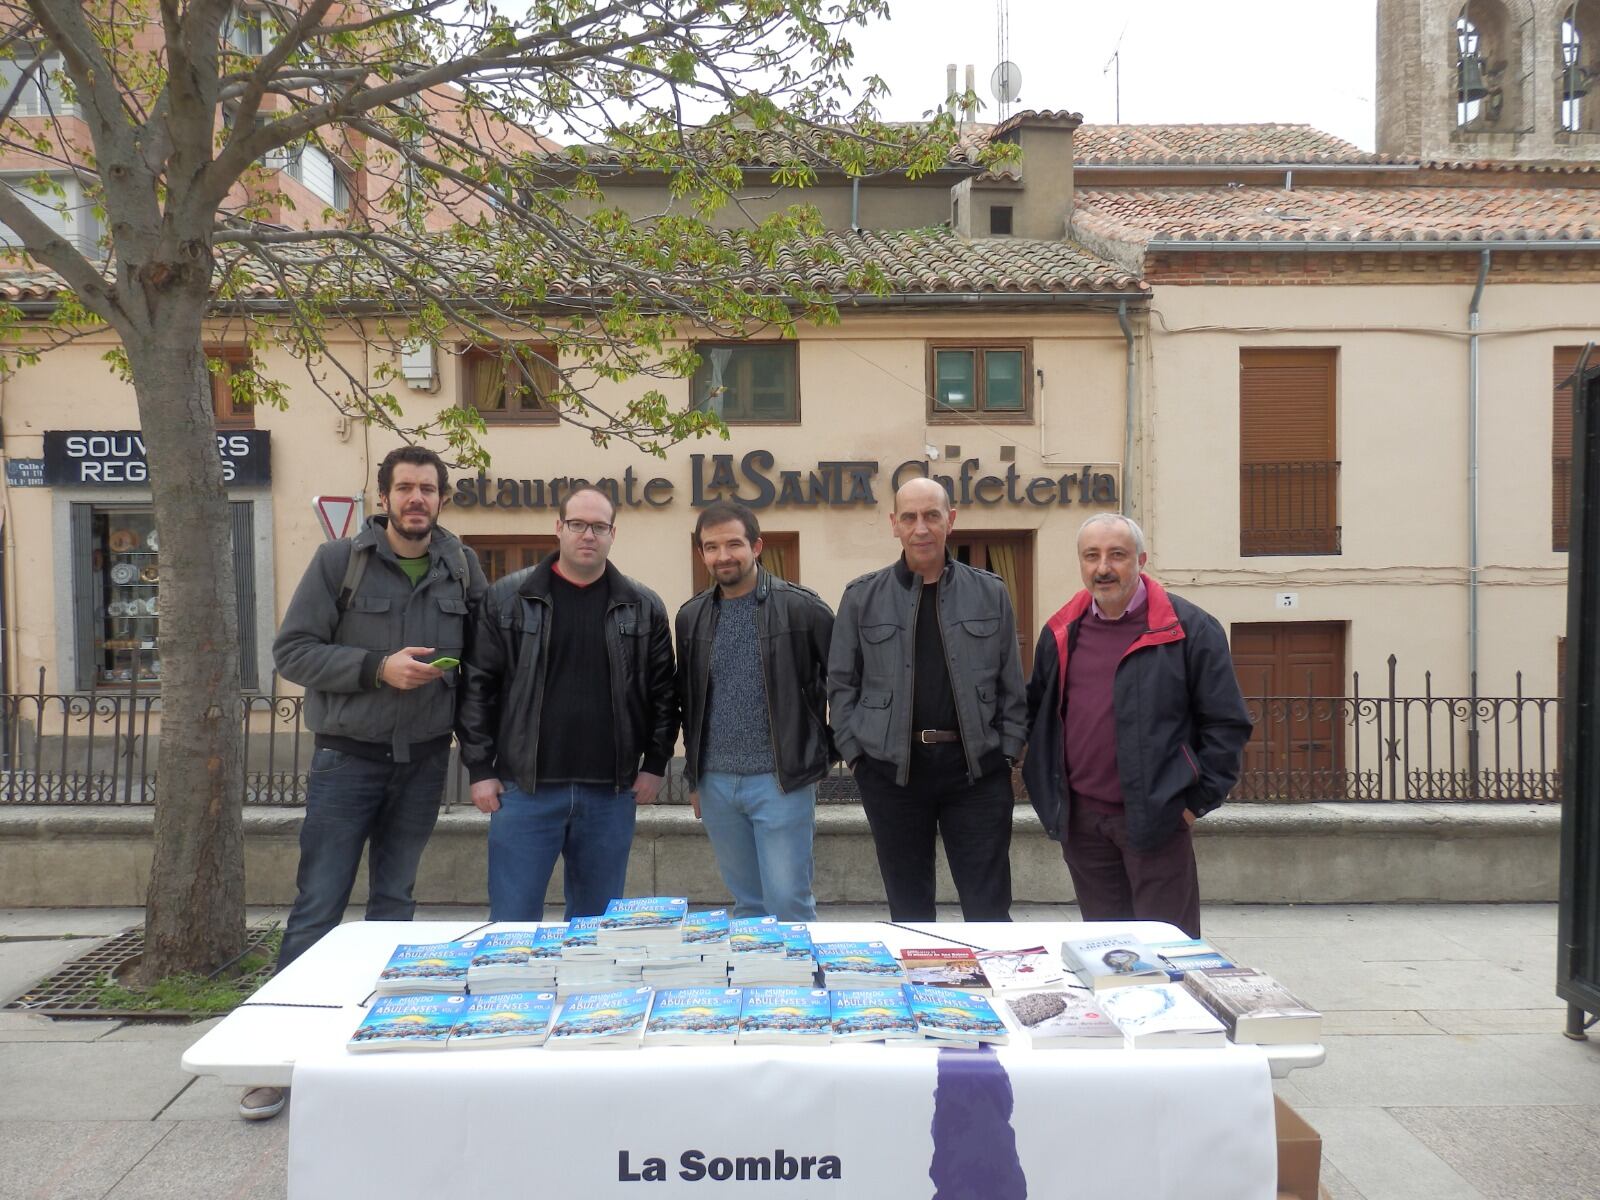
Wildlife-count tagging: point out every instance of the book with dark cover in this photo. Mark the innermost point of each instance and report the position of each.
(504, 1020)
(950, 1015)
(408, 1023)
(1112, 961)
(1256, 1008)
(946, 967)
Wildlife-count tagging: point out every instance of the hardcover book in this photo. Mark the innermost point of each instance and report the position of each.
(503, 1020)
(871, 1015)
(612, 1020)
(1161, 1016)
(950, 1015)
(1112, 961)
(785, 1014)
(1256, 1008)
(694, 1016)
(1064, 1020)
(1030, 970)
(408, 1023)
(937, 966)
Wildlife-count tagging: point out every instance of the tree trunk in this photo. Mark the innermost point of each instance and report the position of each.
(194, 910)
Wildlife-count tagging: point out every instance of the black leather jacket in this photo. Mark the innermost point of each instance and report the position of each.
(503, 674)
(794, 627)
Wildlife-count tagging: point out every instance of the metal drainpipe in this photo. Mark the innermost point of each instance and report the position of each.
(855, 204)
(1472, 514)
(1127, 437)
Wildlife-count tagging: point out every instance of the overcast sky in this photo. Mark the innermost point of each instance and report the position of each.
(1182, 62)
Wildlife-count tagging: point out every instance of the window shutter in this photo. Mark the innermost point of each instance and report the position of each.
(1286, 406)
(244, 586)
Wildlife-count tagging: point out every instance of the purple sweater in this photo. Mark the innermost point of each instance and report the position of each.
(1090, 730)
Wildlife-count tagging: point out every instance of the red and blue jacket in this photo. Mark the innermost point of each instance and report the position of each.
(1181, 723)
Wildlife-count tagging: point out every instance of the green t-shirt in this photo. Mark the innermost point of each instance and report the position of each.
(416, 568)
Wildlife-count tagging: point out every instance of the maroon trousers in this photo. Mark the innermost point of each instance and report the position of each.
(1117, 883)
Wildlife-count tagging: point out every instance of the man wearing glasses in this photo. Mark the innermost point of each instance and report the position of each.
(568, 717)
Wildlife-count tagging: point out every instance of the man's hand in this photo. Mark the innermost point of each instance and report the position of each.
(1190, 817)
(486, 795)
(694, 803)
(403, 671)
(645, 788)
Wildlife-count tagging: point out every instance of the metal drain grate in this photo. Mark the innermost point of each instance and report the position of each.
(70, 992)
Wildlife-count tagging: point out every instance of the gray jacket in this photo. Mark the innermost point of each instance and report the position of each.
(871, 675)
(335, 655)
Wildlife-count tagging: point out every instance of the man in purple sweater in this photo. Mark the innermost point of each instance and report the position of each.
(1136, 727)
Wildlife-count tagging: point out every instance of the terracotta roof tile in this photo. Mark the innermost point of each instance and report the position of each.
(1370, 214)
(1155, 145)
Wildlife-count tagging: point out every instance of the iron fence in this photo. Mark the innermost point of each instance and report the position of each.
(104, 748)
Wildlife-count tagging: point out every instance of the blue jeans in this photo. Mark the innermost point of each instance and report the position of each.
(589, 826)
(762, 839)
(350, 801)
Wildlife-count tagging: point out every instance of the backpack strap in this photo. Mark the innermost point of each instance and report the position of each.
(355, 568)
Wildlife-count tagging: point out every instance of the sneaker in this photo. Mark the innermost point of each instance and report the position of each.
(262, 1103)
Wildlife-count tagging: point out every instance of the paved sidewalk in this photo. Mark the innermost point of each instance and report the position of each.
(1447, 1075)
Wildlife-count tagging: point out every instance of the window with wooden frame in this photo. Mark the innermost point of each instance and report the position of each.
(1565, 363)
(1288, 455)
(780, 555)
(749, 383)
(230, 409)
(511, 384)
(501, 554)
(989, 380)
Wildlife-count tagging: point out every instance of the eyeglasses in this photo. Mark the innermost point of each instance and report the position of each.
(579, 528)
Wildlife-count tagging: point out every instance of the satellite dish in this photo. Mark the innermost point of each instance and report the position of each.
(1005, 85)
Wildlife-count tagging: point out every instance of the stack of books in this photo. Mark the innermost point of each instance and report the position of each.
(872, 1014)
(1064, 1020)
(946, 967)
(642, 921)
(694, 1016)
(858, 965)
(798, 950)
(759, 957)
(408, 1023)
(698, 959)
(611, 1020)
(586, 966)
(432, 968)
(785, 1015)
(515, 960)
(1113, 961)
(955, 1017)
(498, 1021)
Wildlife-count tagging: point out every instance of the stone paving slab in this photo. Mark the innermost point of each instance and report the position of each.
(88, 1081)
(56, 922)
(79, 1160)
(1501, 1020)
(1362, 1022)
(31, 1027)
(207, 1098)
(180, 1035)
(239, 1160)
(1450, 1070)
(1537, 1153)
(1382, 1160)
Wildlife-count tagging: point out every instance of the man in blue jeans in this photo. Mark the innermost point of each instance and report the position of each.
(752, 683)
(367, 619)
(568, 717)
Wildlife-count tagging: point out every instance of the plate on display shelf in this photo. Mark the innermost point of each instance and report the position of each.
(124, 573)
(116, 609)
(152, 606)
(150, 574)
(123, 540)
(152, 541)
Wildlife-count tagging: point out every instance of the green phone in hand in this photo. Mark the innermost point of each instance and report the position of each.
(445, 663)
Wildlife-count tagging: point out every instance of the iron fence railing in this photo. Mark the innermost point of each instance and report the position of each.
(104, 748)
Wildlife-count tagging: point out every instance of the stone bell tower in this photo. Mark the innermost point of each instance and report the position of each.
(1507, 80)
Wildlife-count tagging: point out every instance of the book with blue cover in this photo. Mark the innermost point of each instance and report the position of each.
(796, 941)
(1190, 954)
(509, 947)
(642, 921)
(871, 1015)
(858, 964)
(948, 1015)
(427, 968)
(773, 1015)
(579, 939)
(707, 930)
(408, 1023)
(503, 1020)
(611, 1020)
(694, 1016)
(755, 935)
(504, 963)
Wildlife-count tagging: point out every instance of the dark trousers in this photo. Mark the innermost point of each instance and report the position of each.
(973, 818)
(349, 801)
(1117, 883)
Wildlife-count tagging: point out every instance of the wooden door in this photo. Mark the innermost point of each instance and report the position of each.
(1292, 676)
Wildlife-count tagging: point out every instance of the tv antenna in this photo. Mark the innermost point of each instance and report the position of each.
(1115, 62)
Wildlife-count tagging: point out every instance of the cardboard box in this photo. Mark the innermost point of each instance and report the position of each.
(1299, 1153)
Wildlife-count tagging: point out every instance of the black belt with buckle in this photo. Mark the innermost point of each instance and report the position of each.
(929, 736)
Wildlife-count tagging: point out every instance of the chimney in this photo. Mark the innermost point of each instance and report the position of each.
(1043, 208)
(950, 87)
(970, 114)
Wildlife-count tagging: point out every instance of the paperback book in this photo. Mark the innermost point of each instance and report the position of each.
(1161, 1016)
(858, 964)
(504, 963)
(1064, 1020)
(503, 1020)
(1191, 954)
(579, 941)
(948, 1015)
(1030, 970)
(427, 969)
(937, 966)
(777, 1015)
(872, 1014)
(612, 1020)
(707, 931)
(1112, 961)
(408, 1023)
(1256, 1008)
(694, 1016)
(643, 921)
